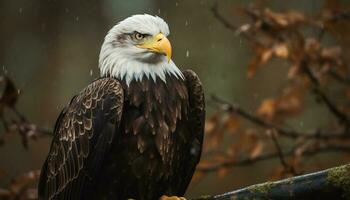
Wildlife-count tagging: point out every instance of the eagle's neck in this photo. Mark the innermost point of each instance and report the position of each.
(127, 68)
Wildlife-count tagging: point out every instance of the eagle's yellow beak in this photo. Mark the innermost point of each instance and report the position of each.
(159, 44)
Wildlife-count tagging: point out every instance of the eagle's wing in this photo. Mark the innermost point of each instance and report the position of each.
(196, 120)
(83, 134)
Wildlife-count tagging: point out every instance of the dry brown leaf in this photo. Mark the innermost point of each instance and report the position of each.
(312, 48)
(285, 19)
(257, 150)
(247, 141)
(293, 71)
(265, 56)
(211, 123)
(231, 122)
(281, 50)
(289, 103)
(262, 56)
(268, 108)
(21, 183)
(232, 151)
(333, 55)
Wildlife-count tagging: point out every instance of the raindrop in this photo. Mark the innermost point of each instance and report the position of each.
(193, 151)
(159, 11)
(187, 53)
(176, 4)
(91, 72)
(66, 10)
(4, 69)
(77, 18)
(186, 23)
(20, 10)
(301, 124)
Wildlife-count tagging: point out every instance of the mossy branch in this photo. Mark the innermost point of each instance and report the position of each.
(333, 183)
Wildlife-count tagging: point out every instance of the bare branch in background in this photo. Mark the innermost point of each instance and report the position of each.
(13, 120)
(288, 168)
(314, 66)
(21, 187)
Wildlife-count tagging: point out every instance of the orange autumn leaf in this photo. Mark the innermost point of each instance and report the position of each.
(231, 123)
(257, 150)
(289, 103)
(22, 182)
(268, 108)
(247, 141)
(262, 56)
(286, 19)
(281, 50)
(211, 123)
(293, 71)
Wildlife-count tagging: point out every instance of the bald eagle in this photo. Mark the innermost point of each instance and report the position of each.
(134, 133)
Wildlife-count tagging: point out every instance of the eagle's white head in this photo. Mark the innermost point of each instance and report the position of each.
(138, 48)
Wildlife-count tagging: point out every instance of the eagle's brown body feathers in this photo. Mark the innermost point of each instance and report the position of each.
(116, 141)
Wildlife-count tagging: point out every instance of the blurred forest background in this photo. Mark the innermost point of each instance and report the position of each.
(243, 53)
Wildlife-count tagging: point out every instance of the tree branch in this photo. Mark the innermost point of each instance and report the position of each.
(288, 168)
(231, 107)
(271, 155)
(16, 122)
(219, 17)
(333, 183)
(318, 92)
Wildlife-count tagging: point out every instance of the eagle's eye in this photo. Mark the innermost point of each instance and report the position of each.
(139, 36)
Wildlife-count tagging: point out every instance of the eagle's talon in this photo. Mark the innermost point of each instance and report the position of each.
(164, 197)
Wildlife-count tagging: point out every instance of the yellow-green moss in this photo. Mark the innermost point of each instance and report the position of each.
(262, 188)
(204, 197)
(340, 177)
(289, 181)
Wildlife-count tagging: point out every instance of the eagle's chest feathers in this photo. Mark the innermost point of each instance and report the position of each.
(155, 114)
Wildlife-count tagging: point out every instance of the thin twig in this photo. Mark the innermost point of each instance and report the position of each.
(219, 17)
(287, 167)
(238, 31)
(231, 107)
(318, 92)
(272, 155)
